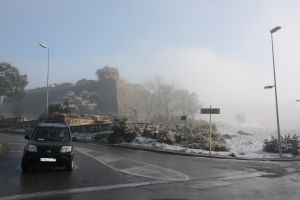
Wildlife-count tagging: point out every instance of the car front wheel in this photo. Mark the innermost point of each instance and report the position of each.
(70, 165)
(25, 167)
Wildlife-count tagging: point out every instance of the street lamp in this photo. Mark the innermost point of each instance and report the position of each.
(269, 87)
(47, 98)
(275, 87)
(135, 114)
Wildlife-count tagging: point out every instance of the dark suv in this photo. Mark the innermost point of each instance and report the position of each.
(50, 144)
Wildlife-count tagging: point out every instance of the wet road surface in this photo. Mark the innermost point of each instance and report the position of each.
(104, 172)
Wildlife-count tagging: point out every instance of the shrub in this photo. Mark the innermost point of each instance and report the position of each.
(121, 132)
(129, 135)
(200, 140)
(289, 144)
(150, 134)
(178, 138)
(197, 138)
(167, 137)
(232, 155)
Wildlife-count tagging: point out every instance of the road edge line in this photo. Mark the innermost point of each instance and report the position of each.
(79, 190)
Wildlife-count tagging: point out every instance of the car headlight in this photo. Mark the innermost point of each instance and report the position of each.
(31, 148)
(66, 149)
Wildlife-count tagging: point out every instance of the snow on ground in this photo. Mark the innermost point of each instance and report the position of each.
(248, 141)
(245, 142)
(245, 147)
(148, 142)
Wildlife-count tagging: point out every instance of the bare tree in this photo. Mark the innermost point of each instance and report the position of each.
(164, 102)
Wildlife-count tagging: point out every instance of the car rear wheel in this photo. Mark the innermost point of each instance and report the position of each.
(70, 165)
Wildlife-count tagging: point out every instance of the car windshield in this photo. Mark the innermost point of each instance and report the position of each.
(51, 134)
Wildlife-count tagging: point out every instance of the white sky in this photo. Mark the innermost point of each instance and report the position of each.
(219, 49)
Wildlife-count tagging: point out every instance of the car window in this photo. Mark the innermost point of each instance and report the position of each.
(51, 134)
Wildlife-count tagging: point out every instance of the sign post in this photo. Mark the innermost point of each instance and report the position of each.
(210, 111)
(183, 118)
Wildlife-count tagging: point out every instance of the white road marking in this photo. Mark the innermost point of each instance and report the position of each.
(14, 151)
(153, 171)
(109, 158)
(245, 175)
(226, 180)
(146, 170)
(209, 184)
(78, 190)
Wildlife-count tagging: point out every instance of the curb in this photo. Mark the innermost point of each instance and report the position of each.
(172, 152)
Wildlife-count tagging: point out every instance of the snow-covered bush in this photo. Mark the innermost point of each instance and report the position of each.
(149, 130)
(150, 133)
(200, 140)
(161, 134)
(179, 138)
(121, 132)
(129, 135)
(167, 137)
(289, 144)
(197, 138)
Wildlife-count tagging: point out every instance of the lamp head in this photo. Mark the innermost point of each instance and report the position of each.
(275, 29)
(43, 45)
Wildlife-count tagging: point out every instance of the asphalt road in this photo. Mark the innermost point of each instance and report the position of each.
(104, 172)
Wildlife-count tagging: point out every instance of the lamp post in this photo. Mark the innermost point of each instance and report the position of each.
(275, 87)
(135, 114)
(47, 95)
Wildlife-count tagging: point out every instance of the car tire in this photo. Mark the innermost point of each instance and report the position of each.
(70, 165)
(25, 167)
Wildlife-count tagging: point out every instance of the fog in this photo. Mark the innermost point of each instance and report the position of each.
(235, 80)
(220, 51)
(236, 86)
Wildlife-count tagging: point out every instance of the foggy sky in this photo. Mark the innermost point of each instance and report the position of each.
(219, 49)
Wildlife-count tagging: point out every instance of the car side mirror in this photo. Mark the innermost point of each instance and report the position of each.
(74, 138)
(27, 137)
